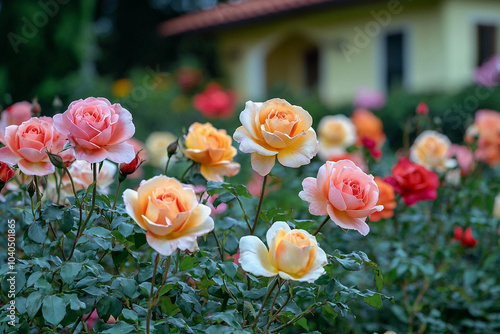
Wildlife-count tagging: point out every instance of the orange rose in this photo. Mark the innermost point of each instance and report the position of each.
(368, 125)
(170, 214)
(276, 129)
(212, 149)
(386, 198)
(487, 127)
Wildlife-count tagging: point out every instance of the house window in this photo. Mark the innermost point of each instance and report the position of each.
(486, 42)
(311, 62)
(394, 60)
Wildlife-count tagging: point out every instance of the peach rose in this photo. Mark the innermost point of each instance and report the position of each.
(335, 134)
(212, 149)
(487, 127)
(27, 145)
(368, 125)
(275, 128)
(293, 254)
(156, 147)
(170, 214)
(355, 157)
(430, 150)
(386, 198)
(343, 192)
(97, 130)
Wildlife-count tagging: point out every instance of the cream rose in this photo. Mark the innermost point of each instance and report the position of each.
(293, 254)
(276, 128)
(156, 146)
(430, 150)
(212, 149)
(335, 134)
(170, 214)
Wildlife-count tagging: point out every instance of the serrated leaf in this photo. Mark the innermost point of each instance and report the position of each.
(53, 309)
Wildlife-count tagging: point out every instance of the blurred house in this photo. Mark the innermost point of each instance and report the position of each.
(333, 47)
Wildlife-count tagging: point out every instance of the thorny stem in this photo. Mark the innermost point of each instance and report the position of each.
(252, 230)
(321, 225)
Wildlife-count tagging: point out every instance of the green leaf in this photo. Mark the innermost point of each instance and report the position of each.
(53, 309)
(34, 303)
(74, 303)
(231, 244)
(188, 262)
(329, 312)
(130, 315)
(374, 301)
(120, 327)
(99, 232)
(66, 223)
(53, 212)
(69, 271)
(168, 307)
(129, 287)
(126, 229)
(303, 323)
(33, 278)
(348, 263)
(224, 198)
(38, 232)
(229, 269)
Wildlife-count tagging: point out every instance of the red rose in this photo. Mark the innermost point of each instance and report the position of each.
(413, 181)
(214, 102)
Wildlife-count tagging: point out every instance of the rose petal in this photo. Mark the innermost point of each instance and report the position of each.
(254, 257)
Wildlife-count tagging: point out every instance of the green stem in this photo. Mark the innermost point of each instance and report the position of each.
(38, 197)
(272, 305)
(114, 202)
(72, 186)
(151, 301)
(264, 302)
(252, 230)
(321, 225)
(166, 165)
(221, 252)
(187, 169)
(81, 227)
(245, 216)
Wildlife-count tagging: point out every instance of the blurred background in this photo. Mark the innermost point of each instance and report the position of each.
(172, 62)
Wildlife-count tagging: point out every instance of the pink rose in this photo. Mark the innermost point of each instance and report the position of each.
(27, 145)
(97, 130)
(16, 114)
(344, 192)
(464, 157)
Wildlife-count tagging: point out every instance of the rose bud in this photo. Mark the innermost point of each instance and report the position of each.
(127, 169)
(422, 109)
(56, 159)
(35, 108)
(172, 147)
(57, 103)
(468, 240)
(31, 188)
(458, 232)
(6, 173)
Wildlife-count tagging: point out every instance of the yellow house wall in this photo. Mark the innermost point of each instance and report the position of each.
(440, 53)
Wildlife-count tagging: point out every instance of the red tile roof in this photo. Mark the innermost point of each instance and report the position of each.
(228, 13)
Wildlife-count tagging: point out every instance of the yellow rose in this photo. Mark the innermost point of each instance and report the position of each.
(293, 254)
(170, 213)
(212, 149)
(276, 128)
(156, 146)
(335, 134)
(430, 150)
